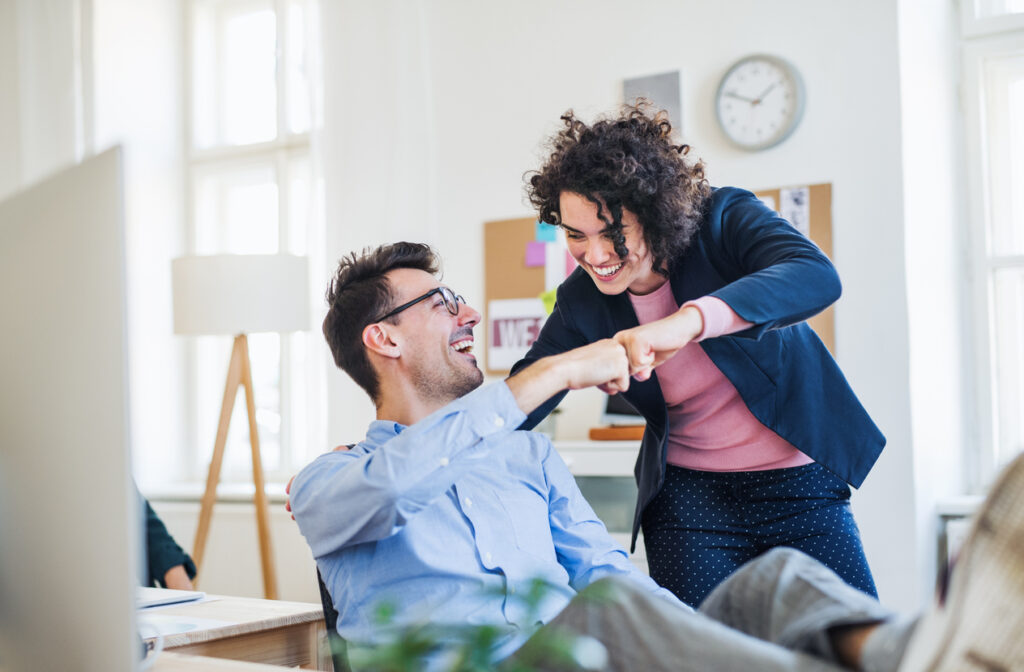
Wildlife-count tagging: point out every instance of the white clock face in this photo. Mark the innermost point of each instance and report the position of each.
(759, 102)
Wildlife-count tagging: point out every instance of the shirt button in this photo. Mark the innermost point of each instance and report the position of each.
(487, 557)
(468, 502)
(444, 461)
(512, 590)
(499, 421)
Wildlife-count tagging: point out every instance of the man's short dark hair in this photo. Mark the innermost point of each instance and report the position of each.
(359, 293)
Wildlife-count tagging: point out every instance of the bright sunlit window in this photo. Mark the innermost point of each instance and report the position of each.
(250, 189)
(994, 78)
(984, 8)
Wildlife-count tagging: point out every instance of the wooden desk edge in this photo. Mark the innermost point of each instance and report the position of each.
(282, 614)
(168, 661)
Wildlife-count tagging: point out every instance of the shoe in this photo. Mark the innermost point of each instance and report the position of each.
(979, 626)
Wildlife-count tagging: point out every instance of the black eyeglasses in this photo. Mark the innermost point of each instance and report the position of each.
(451, 302)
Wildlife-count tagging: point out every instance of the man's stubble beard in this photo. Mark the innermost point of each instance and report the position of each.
(448, 384)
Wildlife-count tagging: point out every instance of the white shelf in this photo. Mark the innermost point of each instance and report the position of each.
(599, 458)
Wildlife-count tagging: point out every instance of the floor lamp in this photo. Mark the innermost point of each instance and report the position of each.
(239, 295)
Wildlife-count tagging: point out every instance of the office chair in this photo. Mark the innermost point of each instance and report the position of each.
(339, 648)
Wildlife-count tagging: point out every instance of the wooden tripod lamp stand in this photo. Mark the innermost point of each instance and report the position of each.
(239, 295)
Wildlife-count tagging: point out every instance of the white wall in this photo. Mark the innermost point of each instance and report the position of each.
(498, 76)
(41, 113)
(942, 401)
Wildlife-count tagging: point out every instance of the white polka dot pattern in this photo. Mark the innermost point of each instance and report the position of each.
(703, 525)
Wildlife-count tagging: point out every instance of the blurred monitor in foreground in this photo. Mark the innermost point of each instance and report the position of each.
(69, 525)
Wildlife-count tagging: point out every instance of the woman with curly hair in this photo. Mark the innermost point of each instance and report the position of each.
(753, 435)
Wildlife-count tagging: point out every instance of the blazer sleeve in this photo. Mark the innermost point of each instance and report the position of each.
(162, 552)
(781, 276)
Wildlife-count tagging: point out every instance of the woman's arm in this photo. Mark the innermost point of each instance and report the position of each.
(779, 276)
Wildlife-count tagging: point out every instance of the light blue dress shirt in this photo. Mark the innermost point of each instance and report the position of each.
(446, 520)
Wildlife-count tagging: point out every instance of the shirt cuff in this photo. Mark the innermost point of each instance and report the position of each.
(719, 318)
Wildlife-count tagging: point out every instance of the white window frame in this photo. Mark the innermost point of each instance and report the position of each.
(279, 153)
(974, 24)
(985, 39)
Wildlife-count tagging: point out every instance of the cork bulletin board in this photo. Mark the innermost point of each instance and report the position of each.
(508, 277)
(809, 209)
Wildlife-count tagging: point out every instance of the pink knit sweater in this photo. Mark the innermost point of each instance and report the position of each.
(710, 428)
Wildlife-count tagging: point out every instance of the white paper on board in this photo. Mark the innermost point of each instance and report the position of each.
(795, 207)
(512, 327)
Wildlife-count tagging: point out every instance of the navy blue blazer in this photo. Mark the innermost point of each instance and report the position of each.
(770, 275)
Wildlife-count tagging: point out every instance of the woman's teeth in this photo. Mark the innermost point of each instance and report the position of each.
(607, 270)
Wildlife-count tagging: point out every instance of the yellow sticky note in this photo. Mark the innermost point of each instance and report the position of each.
(548, 298)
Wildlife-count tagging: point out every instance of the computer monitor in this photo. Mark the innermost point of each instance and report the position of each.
(618, 412)
(69, 520)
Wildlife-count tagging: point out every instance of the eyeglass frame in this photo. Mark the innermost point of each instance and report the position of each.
(450, 298)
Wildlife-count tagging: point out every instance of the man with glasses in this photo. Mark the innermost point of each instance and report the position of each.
(448, 513)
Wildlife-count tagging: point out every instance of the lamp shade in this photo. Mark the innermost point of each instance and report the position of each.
(240, 293)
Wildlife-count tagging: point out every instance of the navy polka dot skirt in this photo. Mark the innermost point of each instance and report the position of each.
(702, 525)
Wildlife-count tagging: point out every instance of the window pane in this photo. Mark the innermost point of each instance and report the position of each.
(1008, 364)
(213, 356)
(295, 390)
(984, 8)
(1005, 112)
(300, 200)
(234, 72)
(237, 210)
(297, 70)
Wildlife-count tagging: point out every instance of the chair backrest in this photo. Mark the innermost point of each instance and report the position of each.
(339, 648)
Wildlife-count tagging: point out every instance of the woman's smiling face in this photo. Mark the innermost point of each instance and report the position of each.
(590, 245)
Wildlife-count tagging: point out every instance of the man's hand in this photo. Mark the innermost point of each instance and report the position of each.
(651, 344)
(603, 364)
(288, 488)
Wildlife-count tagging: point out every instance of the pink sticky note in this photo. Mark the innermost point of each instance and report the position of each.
(570, 264)
(535, 254)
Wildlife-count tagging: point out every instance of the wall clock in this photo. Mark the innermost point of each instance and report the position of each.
(760, 101)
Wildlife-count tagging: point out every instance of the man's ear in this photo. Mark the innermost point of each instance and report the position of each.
(377, 338)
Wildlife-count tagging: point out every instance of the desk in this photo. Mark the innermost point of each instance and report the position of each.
(177, 662)
(273, 632)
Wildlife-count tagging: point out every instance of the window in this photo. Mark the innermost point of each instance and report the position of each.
(986, 17)
(994, 87)
(251, 191)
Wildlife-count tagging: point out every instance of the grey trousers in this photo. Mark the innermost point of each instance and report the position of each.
(774, 613)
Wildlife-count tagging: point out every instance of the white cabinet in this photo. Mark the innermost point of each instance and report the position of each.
(599, 458)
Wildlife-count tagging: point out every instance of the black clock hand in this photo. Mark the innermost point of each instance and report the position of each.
(739, 97)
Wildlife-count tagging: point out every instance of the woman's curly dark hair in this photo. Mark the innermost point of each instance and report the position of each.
(626, 162)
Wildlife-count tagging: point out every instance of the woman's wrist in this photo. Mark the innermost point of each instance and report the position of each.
(691, 322)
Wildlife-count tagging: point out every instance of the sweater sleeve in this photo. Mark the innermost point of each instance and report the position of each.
(719, 318)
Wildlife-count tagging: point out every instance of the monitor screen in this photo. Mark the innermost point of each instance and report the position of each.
(617, 412)
(69, 524)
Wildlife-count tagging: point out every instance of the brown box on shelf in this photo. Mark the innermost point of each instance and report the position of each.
(617, 433)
